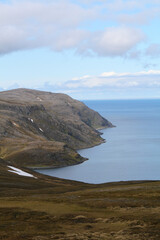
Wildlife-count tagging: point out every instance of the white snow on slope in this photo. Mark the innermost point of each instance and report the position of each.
(20, 172)
(38, 98)
(41, 129)
(30, 119)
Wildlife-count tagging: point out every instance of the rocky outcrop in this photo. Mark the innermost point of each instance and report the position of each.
(43, 129)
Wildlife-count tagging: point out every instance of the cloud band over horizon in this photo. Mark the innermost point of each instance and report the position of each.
(108, 85)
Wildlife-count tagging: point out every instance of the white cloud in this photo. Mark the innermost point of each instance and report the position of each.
(140, 18)
(110, 85)
(68, 39)
(119, 5)
(60, 25)
(63, 13)
(116, 41)
(131, 5)
(145, 79)
(26, 25)
(13, 39)
(72, 24)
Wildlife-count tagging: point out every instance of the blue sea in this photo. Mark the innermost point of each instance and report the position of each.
(132, 148)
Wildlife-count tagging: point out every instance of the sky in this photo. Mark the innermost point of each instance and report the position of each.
(88, 49)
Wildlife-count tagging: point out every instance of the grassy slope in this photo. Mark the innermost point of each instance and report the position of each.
(51, 208)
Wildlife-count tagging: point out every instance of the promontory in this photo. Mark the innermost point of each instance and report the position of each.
(43, 129)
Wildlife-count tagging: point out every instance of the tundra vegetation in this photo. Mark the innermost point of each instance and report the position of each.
(46, 133)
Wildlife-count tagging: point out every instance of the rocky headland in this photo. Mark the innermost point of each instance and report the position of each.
(43, 129)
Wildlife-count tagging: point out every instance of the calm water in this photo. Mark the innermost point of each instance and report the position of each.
(132, 150)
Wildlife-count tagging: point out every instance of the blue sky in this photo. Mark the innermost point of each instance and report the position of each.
(104, 49)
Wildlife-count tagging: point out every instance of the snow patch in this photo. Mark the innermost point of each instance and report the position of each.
(20, 172)
(30, 119)
(38, 98)
(41, 129)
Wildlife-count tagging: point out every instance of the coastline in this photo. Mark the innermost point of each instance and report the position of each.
(56, 167)
(85, 159)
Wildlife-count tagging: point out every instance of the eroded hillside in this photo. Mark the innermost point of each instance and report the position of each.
(43, 129)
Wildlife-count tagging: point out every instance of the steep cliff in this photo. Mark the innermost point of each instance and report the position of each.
(43, 129)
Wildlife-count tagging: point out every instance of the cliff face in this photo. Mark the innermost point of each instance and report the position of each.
(43, 129)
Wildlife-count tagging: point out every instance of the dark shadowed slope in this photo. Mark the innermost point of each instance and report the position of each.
(43, 129)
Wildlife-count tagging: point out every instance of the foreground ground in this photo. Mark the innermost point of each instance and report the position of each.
(44, 208)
